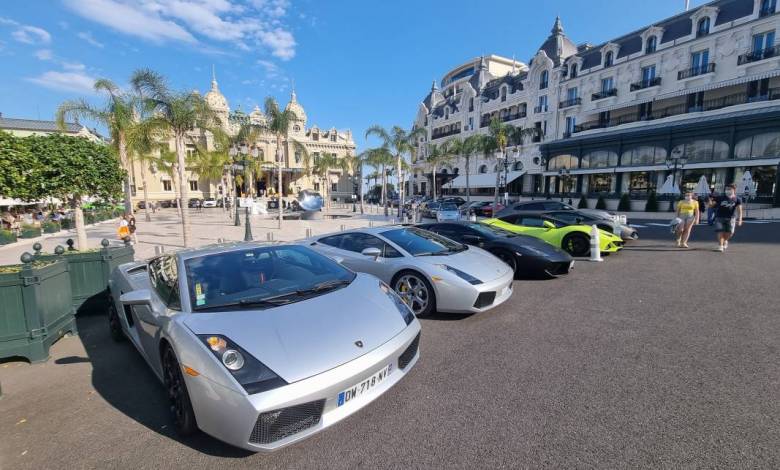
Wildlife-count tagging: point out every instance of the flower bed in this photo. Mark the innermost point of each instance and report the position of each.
(6, 237)
(30, 231)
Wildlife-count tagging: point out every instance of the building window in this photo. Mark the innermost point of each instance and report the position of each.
(607, 84)
(334, 187)
(316, 186)
(699, 61)
(758, 90)
(193, 185)
(767, 8)
(562, 161)
(643, 155)
(604, 118)
(641, 181)
(652, 43)
(446, 113)
(600, 183)
(297, 156)
(166, 185)
(471, 104)
(766, 145)
(599, 159)
(763, 42)
(645, 111)
(543, 79)
(471, 123)
(571, 94)
(503, 94)
(542, 108)
(333, 137)
(571, 122)
(573, 73)
(703, 27)
(483, 169)
(609, 59)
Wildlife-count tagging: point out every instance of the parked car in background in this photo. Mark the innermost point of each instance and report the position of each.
(447, 211)
(209, 202)
(578, 217)
(428, 209)
(141, 205)
(225, 202)
(194, 203)
(431, 273)
(550, 205)
(262, 345)
(574, 239)
(483, 208)
(457, 200)
(166, 204)
(526, 255)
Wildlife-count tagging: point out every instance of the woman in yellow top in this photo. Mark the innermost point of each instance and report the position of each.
(688, 212)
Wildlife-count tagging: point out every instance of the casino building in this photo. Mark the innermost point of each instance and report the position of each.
(697, 94)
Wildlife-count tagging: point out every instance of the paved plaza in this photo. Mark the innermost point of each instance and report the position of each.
(657, 357)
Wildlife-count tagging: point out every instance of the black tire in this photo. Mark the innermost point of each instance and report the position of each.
(576, 244)
(401, 284)
(114, 324)
(507, 258)
(181, 407)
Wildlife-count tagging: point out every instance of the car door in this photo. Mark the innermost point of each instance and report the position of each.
(534, 224)
(149, 319)
(351, 246)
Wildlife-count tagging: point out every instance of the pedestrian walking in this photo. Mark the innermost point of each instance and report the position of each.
(131, 227)
(688, 213)
(123, 232)
(728, 215)
(711, 207)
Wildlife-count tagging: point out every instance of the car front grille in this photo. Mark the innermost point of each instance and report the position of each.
(485, 299)
(272, 426)
(406, 357)
(555, 269)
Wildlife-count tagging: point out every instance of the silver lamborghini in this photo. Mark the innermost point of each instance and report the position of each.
(429, 272)
(262, 345)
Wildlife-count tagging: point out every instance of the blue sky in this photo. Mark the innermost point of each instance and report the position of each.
(354, 63)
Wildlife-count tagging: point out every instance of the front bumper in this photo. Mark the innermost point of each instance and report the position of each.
(233, 417)
(468, 298)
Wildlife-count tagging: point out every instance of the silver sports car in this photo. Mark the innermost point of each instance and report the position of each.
(428, 271)
(263, 345)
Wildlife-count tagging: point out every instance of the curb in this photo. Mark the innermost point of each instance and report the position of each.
(45, 236)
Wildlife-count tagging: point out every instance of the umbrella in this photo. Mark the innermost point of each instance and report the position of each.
(702, 187)
(669, 187)
(746, 186)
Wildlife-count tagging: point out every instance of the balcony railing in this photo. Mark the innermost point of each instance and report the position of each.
(603, 94)
(642, 84)
(761, 54)
(513, 116)
(570, 102)
(445, 134)
(695, 71)
(706, 105)
(540, 109)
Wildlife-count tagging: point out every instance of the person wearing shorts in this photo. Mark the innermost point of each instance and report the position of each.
(728, 215)
(688, 213)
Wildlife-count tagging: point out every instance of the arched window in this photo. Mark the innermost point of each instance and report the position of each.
(482, 169)
(544, 78)
(609, 59)
(471, 104)
(573, 73)
(703, 28)
(599, 159)
(503, 93)
(444, 171)
(652, 43)
(562, 161)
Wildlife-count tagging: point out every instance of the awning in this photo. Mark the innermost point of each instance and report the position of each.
(482, 180)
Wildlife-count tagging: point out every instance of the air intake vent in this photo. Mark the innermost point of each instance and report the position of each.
(276, 425)
(406, 357)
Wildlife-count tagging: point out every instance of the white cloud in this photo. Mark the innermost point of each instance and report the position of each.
(31, 35)
(44, 54)
(73, 66)
(281, 42)
(78, 82)
(87, 36)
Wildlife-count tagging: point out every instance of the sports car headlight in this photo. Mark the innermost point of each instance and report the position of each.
(403, 309)
(252, 374)
(465, 276)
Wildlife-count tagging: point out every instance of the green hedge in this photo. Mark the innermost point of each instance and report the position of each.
(67, 224)
(30, 231)
(51, 227)
(652, 203)
(583, 204)
(625, 203)
(6, 237)
(601, 203)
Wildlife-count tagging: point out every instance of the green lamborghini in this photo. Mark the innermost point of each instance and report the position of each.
(574, 239)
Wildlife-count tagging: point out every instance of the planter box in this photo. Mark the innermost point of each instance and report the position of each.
(6, 237)
(29, 231)
(35, 309)
(638, 205)
(51, 227)
(89, 272)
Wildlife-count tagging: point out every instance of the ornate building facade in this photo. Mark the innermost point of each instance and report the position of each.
(688, 96)
(317, 141)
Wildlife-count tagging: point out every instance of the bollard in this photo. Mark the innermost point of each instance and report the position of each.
(370, 223)
(595, 244)
(343, 228)
(392, 220)
(308, 232)
(157, 250)
(406, 219)
(269, 236)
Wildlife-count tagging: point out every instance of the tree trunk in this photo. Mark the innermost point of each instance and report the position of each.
(279, 153)
(384, 189)
(434, 182)
(147, 217)
(400, 185)
(81, 230)
(468, 187)
(361, 191)
(128, 170)
(174, 179)
(184, 198)
(498, 181)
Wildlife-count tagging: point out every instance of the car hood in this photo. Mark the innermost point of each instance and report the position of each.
(474, 261)
(309, 337)
(521, 241)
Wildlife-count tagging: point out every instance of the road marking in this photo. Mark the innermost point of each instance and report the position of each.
(658, 225)
(758, 221)
(637, 226)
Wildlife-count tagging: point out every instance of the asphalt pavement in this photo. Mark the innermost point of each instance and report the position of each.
(656, 358)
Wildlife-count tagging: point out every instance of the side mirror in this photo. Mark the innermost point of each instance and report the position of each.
(372, 252)
(472, 239)
(548, 225)
(137, 297)
(338, 259)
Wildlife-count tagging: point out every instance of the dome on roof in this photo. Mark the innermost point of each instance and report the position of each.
(296, 108)
(215, 99)
(257, 117)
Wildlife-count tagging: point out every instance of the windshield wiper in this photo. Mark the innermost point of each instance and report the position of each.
(434, 253)
(267, 302)
(323, 286)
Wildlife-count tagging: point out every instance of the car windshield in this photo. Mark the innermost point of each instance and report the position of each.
(491, 231)
(422, 242)
(261, 277)
(448, 206)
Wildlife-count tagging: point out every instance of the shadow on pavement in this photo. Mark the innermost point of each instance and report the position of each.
(122, 377)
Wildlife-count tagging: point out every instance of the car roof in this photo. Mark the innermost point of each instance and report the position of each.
(189, 253)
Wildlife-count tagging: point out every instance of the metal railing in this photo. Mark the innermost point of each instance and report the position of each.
(696, 71)
(540, 109)
(761, 54)
(445, 134)
(603, 94)
(642, 84)
(570, 102)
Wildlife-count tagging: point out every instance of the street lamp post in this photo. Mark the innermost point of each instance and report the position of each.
(564, 174)
(674, 161)
(242, 151)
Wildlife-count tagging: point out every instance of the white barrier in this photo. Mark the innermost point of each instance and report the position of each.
(595, 244)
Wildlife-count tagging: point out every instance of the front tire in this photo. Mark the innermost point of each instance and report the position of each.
(576, 244)
(181, 407)
(114, 324)
(507, 258)
(416, 292)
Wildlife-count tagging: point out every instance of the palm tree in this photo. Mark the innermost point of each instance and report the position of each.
(279, 122)
(141, 142)
(355, 165)
(472, 145)
(399, 142)
(497, 141)
(116, 114)
(176, 113)
(438, 155)
(381, 158)
(323, 166)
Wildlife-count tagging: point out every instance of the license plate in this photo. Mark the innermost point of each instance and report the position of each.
(365, 386)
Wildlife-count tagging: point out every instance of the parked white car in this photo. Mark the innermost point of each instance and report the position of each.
(210, 202)
(447, 211)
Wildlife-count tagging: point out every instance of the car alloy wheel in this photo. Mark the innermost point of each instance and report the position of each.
(415, 292)
(577, 244)
(180, 405)
(114, 326)
(507, 258)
